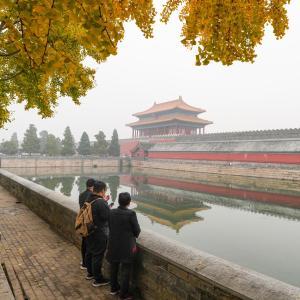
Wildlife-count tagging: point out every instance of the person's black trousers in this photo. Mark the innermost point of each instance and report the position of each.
(94, 264)
(125, 277)
(83, 251)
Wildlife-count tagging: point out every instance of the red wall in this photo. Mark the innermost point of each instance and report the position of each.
(127, 146)
(287, 200)
(139, 153)
(281, 158)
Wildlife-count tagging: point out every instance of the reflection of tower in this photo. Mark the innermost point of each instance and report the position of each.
(166, 208)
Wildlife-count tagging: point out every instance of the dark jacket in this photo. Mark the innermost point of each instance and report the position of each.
(97, 241)
(83, 197)
(123, 231)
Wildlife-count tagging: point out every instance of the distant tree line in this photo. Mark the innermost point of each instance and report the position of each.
(48, 144)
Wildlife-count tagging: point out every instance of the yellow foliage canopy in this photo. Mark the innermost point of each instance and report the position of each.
(227, 30)
(43, 43)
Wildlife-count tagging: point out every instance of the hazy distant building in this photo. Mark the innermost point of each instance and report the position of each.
(172, 118)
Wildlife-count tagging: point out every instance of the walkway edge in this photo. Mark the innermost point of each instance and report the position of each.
(5, 290)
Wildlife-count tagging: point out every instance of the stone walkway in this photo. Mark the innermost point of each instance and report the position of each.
(39, 263)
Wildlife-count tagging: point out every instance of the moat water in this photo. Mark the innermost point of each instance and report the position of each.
(255, 224)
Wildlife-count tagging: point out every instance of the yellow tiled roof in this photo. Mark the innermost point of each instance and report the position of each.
(179, 103)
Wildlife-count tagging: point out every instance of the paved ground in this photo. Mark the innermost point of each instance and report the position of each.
(40, 264)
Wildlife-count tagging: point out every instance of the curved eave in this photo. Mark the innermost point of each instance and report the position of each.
(148, 112)
(139, 123)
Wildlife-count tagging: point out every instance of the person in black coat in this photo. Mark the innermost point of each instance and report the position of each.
(124, 229)
(82, 198)
(97, 240)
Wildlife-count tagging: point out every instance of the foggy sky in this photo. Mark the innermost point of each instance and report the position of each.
(263, 95)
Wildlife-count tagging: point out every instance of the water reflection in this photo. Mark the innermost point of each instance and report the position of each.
(275, 203)
(51, 183)
(67, 184)
(167, 208)
(114, 185)
(163, 207)
(255, 225)
(174, 202)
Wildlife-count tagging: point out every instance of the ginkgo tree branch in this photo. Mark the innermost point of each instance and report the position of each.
(101, 17)
(53, 40)
(10, 76)
(4, 54)
(31, 60)
(2, 26)
(47, 36)
(105, 28)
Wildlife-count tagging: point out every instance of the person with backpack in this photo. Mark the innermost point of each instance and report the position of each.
(124, 229)
(82, 198)
(98, 234)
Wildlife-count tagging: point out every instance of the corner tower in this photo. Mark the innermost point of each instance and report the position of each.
(172, 118)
